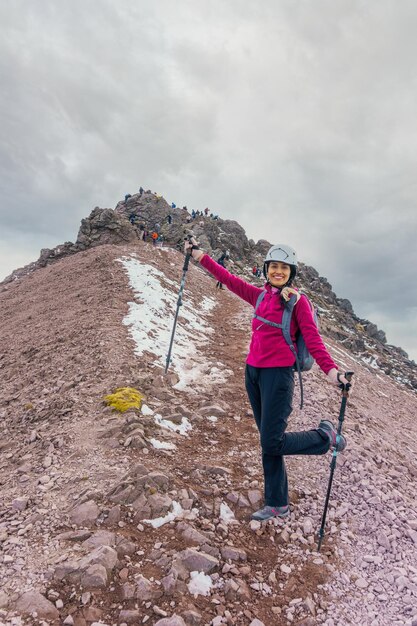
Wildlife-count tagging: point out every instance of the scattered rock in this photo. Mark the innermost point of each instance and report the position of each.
(174, 620)
(95, 577)
(33, 601)
(20, 504)
(86, 513)
(234, 554)
(144, 589)
(197, 561)
(130, 616)
(192, 618)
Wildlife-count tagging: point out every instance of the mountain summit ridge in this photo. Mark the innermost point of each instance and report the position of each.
(338, 319)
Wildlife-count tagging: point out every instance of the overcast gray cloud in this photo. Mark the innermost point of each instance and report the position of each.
(296, 119)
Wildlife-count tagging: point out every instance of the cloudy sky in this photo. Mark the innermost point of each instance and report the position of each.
(296, 118)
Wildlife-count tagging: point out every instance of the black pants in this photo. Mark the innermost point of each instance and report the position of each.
(270, 391)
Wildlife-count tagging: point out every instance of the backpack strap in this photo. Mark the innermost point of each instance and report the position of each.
(262, 319)
(259, 300)
(286, 325)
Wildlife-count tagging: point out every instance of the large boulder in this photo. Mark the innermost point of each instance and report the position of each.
(33, 601)
(105, 226)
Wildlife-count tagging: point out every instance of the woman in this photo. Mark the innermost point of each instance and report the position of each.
(269, 376)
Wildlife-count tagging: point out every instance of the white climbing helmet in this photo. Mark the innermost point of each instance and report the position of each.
(282, 253)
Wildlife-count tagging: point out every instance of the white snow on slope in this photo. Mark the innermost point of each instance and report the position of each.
(370, 360)
(182, 428)
(177, 512)
(200, 584)
(162, 445)
(150, 319)
(226, 514)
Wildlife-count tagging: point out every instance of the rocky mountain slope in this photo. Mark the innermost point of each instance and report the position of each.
(338, 319)
(143, 517)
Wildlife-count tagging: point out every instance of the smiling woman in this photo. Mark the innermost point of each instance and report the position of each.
(269, 376)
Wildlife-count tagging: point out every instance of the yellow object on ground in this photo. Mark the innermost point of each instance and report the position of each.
(124, 398)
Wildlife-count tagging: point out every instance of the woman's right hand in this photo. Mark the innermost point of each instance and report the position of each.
(339, 379)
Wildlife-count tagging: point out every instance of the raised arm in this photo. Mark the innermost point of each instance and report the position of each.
(240, 287)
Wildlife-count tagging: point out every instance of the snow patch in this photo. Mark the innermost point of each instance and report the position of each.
(207, 304)
(177, 511)
(182, 428)
(226, 514)
(150, 320)
(371, 361)
(200, 584)
(145, 410)
(162, 445)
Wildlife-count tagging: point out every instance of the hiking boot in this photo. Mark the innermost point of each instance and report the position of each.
(328, 429)
(269, 512)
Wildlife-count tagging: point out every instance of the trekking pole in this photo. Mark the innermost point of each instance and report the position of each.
(345, 393)
(179, 303)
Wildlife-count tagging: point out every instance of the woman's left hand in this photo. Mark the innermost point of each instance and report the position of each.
(196, 253)
(188, 246)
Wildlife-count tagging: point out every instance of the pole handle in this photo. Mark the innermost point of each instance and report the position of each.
(345, 386)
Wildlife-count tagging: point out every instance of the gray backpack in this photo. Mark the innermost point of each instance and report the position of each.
(303, 359)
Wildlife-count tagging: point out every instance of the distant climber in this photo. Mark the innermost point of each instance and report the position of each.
(140, 191)
(222, 261)
(206, 211)
(154, 237)
(127, 196)
(142, 232)
(173, 205)
(169, 219)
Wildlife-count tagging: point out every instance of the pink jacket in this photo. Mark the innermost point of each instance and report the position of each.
(268, 347)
